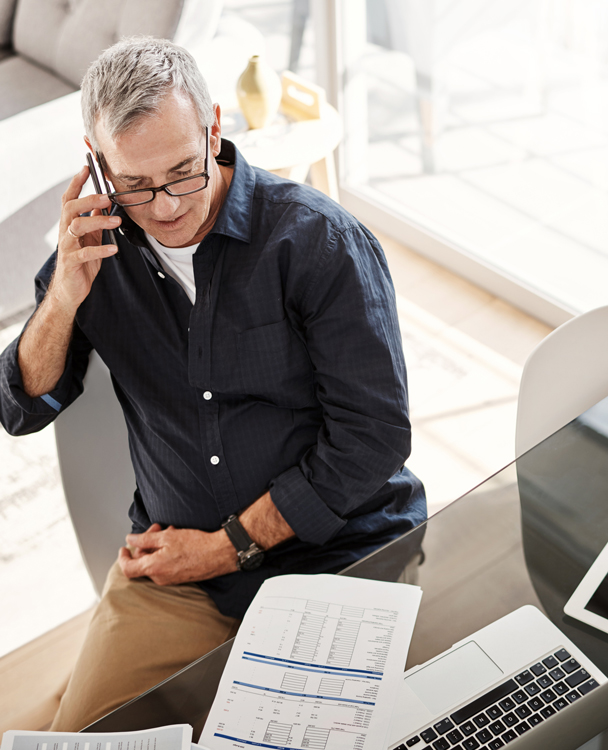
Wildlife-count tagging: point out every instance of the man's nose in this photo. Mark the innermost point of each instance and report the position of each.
(164, 206)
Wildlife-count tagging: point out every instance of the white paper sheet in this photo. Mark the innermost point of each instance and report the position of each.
(172, 737)
(315, 665)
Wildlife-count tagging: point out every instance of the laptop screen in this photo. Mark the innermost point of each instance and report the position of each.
(598, 604)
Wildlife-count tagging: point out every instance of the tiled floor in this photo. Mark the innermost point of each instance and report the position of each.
(464, 350)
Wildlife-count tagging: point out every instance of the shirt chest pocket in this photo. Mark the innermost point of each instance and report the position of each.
(274, 366)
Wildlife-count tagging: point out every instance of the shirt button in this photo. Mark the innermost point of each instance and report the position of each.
(207, 395)
(162, 275)
(215, 460)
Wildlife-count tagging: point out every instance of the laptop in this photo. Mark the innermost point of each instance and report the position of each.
(491, 688)
(570, 729)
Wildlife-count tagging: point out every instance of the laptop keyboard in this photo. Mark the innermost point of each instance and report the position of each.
(507, 711)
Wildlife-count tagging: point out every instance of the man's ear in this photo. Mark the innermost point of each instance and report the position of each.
(215, 136)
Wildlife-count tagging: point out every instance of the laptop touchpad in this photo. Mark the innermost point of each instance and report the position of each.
(453, 678)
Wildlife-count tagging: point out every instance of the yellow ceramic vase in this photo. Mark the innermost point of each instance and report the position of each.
(259, 93)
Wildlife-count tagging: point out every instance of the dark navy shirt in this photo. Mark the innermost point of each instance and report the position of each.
(287, 375)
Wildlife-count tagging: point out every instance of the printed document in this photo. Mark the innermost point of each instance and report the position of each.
(173, 737)
(316, 664)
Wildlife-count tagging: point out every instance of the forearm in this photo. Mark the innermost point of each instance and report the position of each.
(44, 346)
(264, 523)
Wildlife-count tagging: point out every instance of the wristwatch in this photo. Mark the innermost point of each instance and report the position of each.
(250, 556)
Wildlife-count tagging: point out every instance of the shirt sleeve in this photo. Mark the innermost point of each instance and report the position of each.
(353, 339)
(21, 414)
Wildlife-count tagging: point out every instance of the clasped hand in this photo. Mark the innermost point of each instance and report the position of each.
(176, 556)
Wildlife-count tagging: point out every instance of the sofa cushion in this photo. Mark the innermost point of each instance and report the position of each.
(65, 36)
(29, 85)
(36, 29)
(7, 13)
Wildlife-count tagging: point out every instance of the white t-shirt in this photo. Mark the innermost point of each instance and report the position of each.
(177, 262)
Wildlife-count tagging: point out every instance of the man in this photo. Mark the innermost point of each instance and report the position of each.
(249, 324)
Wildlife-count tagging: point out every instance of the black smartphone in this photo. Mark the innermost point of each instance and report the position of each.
(95, 176)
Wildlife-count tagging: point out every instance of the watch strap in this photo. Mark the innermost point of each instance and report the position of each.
(237, 534)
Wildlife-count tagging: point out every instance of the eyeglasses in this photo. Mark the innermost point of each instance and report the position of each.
(177, 188)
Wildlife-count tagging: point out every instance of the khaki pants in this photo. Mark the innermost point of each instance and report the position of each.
(140, 634)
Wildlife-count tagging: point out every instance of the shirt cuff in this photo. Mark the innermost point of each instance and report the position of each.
(309, 517)
(47, 404)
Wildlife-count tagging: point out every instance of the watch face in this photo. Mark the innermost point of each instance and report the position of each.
(252, 558)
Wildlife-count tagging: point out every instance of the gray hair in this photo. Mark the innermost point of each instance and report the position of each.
(129, 81)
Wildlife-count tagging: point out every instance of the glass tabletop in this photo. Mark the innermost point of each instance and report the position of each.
(526, 535)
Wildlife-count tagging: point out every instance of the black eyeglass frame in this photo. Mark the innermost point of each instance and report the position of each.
(155, 190)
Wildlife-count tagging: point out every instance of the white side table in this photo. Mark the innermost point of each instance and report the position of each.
(302, 137)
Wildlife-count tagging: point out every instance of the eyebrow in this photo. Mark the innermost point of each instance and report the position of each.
(182, 163)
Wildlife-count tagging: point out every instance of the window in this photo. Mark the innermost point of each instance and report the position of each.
(477, 132)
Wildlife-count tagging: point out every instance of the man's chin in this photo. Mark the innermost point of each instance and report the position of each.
(170, 237)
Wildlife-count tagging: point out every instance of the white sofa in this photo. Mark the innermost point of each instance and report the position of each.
(47, 45)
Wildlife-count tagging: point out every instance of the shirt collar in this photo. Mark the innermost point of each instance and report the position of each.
(234, 218)
(235, 215)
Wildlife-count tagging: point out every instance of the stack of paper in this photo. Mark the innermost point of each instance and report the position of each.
(174, 737)
(316, 664)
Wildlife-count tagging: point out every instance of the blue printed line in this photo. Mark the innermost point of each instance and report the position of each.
(307, 664)
(304, 695)
(256, 744)
(307, 669)
(51, 401)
